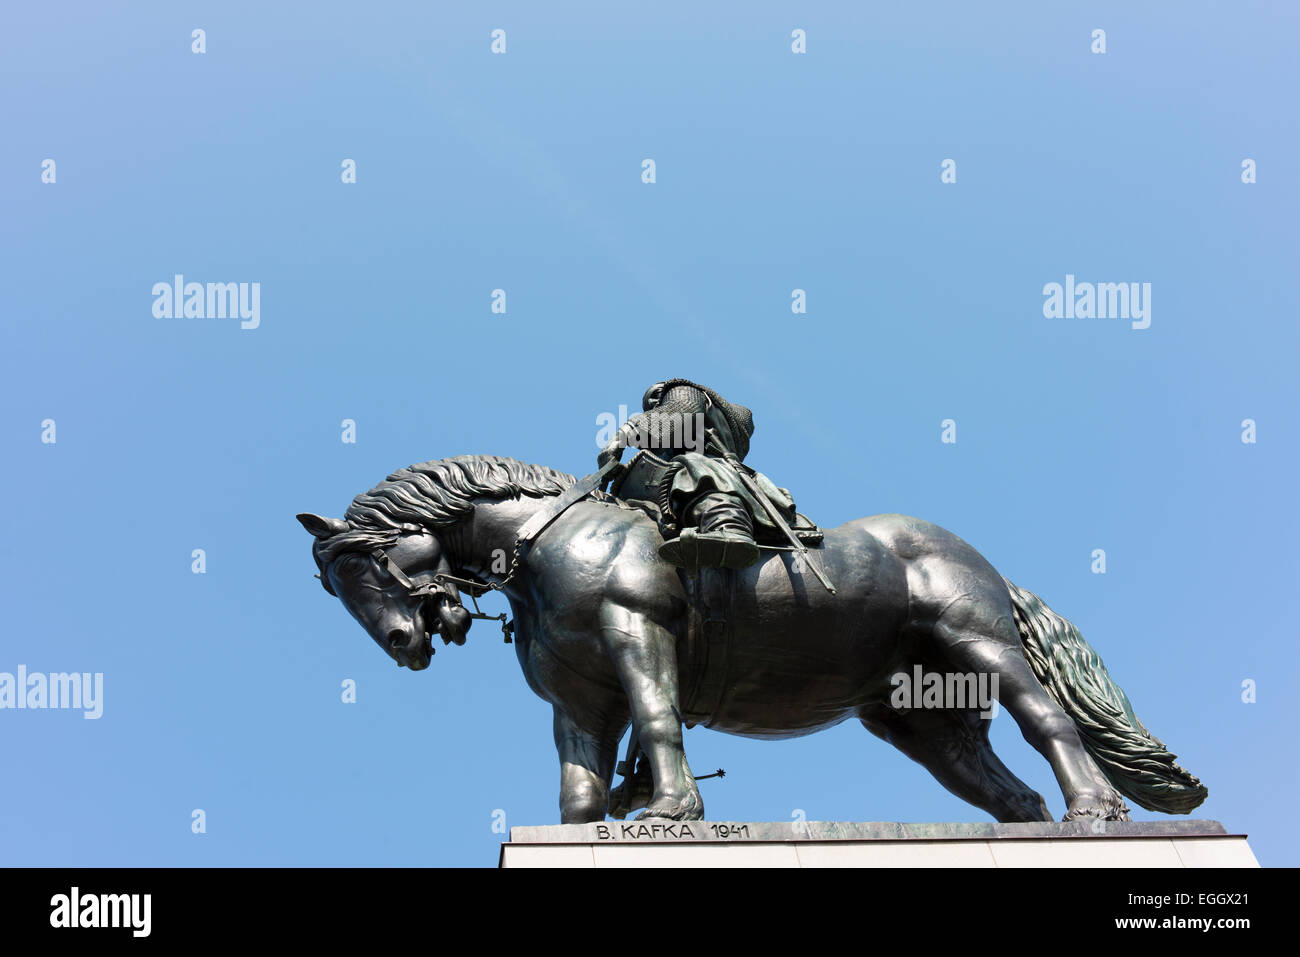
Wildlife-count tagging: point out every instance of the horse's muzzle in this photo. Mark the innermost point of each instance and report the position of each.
(412, 652)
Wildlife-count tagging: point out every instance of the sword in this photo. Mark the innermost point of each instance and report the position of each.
(752, 487)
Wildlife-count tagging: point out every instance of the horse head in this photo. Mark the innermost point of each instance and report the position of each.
(388, 581)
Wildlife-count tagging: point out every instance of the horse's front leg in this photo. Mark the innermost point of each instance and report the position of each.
(644, 654)
(586, 767)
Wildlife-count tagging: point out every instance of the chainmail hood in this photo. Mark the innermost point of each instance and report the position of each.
(678, 395)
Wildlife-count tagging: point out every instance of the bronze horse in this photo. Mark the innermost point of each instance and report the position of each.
(610, 635)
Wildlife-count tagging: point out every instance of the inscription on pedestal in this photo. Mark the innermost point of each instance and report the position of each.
(672, 831)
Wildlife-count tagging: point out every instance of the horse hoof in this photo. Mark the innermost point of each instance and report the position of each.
(690, 808)
(1109, 808)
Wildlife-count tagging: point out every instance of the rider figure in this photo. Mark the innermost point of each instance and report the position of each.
(699, 431)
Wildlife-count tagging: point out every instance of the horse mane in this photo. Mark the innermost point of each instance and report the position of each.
(434, 494)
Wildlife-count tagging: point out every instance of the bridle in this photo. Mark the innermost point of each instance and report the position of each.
(438, 586)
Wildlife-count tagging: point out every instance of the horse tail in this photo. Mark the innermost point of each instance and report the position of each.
(1072, 673)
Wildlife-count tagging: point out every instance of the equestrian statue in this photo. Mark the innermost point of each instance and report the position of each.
(683, 587)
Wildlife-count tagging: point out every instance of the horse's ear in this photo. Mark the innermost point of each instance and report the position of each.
(322, 527)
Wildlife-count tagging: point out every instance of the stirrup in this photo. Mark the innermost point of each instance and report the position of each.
(692, 550)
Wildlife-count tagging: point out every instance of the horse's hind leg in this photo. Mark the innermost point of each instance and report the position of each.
(975, 638)
(954, 746)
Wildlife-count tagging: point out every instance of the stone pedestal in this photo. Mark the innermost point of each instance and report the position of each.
(836, 844)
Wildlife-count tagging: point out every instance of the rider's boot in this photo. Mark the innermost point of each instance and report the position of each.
(725, 536)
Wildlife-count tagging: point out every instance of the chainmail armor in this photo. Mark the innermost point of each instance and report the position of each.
(681, 396)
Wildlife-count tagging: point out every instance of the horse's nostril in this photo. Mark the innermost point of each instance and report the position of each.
(396, 639)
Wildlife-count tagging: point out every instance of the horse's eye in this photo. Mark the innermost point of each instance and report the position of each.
(347, 564)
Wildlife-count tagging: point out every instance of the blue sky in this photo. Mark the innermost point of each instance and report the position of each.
(522, 172)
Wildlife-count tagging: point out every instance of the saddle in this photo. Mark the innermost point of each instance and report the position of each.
(647, 483)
